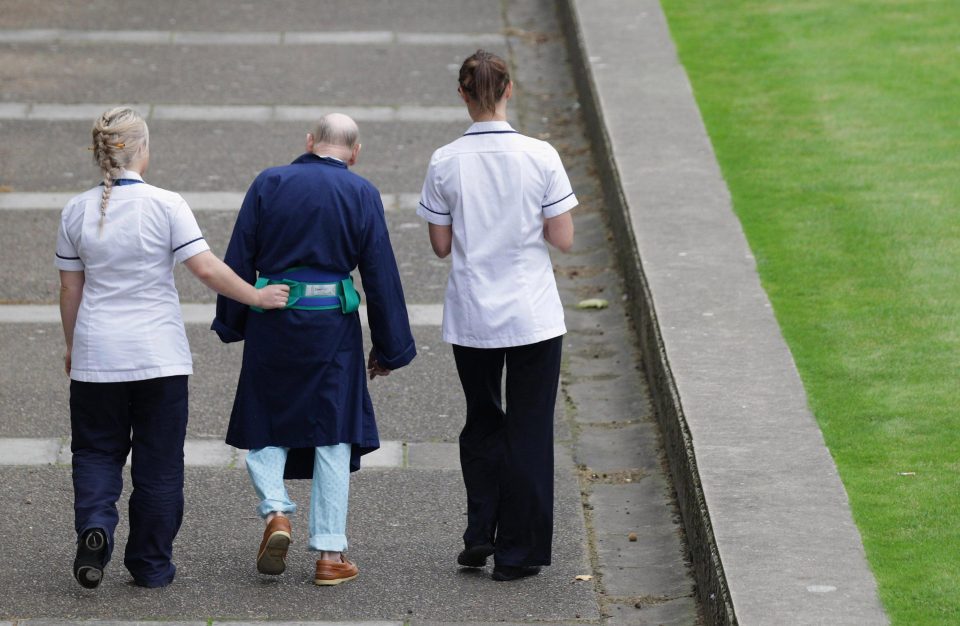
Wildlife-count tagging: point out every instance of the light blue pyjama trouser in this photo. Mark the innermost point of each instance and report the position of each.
(328, 498)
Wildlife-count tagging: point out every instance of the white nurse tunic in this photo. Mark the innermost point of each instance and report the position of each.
(129, 325)
(495, 187)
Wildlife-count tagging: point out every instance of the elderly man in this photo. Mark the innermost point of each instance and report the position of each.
(302, 407)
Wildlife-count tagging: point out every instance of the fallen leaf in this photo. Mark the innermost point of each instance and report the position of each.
(593, 303)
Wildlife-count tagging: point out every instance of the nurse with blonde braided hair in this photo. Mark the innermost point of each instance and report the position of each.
(126, 349)
(109, 156)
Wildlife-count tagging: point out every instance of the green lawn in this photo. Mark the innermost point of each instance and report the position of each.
(837, 127)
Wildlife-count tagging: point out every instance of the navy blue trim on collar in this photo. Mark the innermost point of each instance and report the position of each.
(67, 258)
(560, 200)
(492, 132)
(310, 157)
(431, 210)
(120, 182)
(187, 244)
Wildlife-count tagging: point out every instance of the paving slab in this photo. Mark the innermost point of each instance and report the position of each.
(629, 448)
(233, 74)
(98, 622)
(28, 240)
(23, 451)
(652, 612)
(263, 113)
(650, 565)
(433, 455)
(306, 623)
(394, 155)
(449, 16)
(208, 452)
(432, 623)
(199, 201)
(390, 454)
(609, 397)
(398, 518)
(729, 395)
(401, 415)
(29, 451)
(33, 396)
(199, 313)
(303, 623)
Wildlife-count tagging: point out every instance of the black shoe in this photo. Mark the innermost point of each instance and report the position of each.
(91, 557)
(512, 572)
(475, 556)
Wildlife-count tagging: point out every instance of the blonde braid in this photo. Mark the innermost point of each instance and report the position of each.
(119, 135)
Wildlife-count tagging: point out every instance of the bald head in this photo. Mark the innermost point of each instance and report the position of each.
(335, 135)
(336, 129)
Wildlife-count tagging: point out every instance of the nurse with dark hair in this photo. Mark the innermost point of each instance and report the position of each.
(494, 199)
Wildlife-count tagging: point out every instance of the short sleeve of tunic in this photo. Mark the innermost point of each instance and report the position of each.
(67, 258)
(558, 198)
(433, 207)
(186, 240)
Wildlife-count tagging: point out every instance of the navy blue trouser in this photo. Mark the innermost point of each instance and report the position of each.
(507, 455)
(107, 421)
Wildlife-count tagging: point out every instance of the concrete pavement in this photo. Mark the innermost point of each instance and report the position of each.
(767, 521)
(407, 513)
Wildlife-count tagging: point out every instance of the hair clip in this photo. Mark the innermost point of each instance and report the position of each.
(119, 146)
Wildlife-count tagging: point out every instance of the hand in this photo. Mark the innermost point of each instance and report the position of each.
(67, 363)
(374, 368)
(273, 296)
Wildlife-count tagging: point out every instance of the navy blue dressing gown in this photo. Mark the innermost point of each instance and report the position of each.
(303, 379)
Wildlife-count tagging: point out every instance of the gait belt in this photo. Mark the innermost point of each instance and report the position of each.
(314, 290)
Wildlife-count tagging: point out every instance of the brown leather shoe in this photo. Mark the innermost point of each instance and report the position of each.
(273, 549)
(333, 573)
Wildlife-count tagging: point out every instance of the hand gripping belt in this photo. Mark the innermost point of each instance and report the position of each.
(314, 290)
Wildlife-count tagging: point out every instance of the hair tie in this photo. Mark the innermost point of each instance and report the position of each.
(119, 146)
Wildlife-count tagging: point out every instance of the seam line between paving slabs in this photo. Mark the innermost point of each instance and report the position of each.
(244, 38)
(197, 200)
(210, 452)
(196, 313)
(40, 621)
(56, 112)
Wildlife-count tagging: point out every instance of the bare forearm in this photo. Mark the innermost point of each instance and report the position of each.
(69, 305)
(218, 276)
(231, 286)
(558, 231)
(71, 292)
(441, 239)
